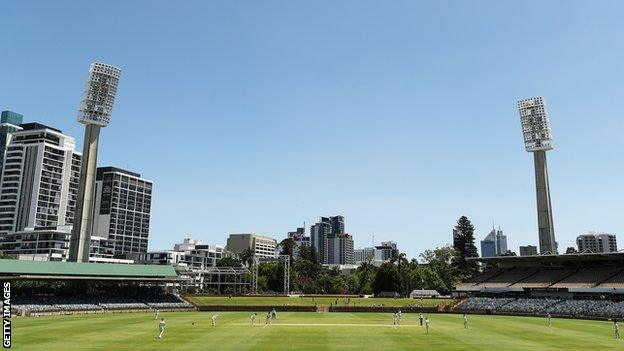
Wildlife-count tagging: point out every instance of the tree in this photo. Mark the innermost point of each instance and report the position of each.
(508, 253)
(229, 262)
(571, 250)
(387, 278)
(465, 248)
(308, 268)
(366, 278)
(439, 261)
(247, 257)
(288, 247)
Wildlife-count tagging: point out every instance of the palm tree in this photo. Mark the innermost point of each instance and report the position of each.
(247, 256)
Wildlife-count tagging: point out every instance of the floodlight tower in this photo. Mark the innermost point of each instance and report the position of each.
(94, 112)
(538, 140)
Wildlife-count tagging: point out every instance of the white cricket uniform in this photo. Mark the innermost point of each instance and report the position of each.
(214, 320)
(427, 325)
(161, 327)
(253, 319)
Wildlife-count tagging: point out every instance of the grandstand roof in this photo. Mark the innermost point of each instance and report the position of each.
(542, 260)
(21, 269)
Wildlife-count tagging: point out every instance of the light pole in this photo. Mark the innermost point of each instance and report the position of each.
(94, 112)
(538, 140)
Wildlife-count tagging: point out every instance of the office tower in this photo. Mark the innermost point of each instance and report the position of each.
(9, 123)
(596, 242)
(325, 229)
(339, 249)
(318, 233)
(262, 246)
(528, 250)
(122, 209)
(366, 254)
(39, 179)
(94, 112)
(387, 250)
(501, 242)
(494, 244)
(538, 140)
(488, 245)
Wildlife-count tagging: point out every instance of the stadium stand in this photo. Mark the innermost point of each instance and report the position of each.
(543, 278)
(614, 282)
(507, 278)
(100, 302)
(586, 278)
(584, 285)
(543, 306)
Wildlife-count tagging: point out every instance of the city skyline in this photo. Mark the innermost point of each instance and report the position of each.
(412, 137)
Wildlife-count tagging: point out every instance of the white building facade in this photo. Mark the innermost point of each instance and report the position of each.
(39, 179)
(596, 242)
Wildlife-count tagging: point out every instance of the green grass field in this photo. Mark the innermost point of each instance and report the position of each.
(310, 301)
(307, 331)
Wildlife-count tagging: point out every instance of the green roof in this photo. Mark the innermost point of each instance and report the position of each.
(22, 267)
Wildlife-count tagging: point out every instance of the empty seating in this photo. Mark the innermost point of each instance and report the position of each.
(543, 278)
(507, 278)
(614, 282)
(586, 278)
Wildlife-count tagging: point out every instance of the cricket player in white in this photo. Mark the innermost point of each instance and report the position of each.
(549, 322)
(161, 327)
(214, 320)
(465, 322)
(157, 314)
(427, 325)
(269, 319)
(399, 315)
(617, 329)
(253, 319)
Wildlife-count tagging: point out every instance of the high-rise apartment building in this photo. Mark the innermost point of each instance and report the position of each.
(366, 254)
(332, 244)
(122, 209)
(596, 242)
(9, 123)
(387, 250)
(318, 233)
(528, 250)
(39, 179)
(339, 249)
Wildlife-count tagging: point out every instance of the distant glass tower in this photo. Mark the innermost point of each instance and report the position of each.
(9, 123)
(538, 140)
(94, 111)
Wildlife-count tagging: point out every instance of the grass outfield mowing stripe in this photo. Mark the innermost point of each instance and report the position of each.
(307, 332)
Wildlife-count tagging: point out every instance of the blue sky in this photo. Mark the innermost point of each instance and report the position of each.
(255, 116)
